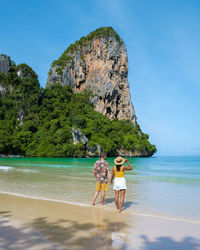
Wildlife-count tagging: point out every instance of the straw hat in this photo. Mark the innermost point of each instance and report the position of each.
(119, 160)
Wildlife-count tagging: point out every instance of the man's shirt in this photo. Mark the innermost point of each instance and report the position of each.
(101, 169)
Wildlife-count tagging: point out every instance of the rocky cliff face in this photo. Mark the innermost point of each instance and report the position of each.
(4, 64)
(4, 68)
(99, 62)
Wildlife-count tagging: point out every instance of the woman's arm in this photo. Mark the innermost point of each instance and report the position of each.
(112, 177)
(129, 166)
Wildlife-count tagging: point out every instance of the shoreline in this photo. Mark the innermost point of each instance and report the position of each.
(125, 211)
(86, 156)
(45, 224)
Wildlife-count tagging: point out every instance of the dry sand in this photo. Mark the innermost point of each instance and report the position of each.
(27, 223)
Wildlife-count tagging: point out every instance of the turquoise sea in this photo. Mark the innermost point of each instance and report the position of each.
(157, 186)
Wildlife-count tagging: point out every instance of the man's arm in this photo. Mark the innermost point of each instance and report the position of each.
(94, 173)
(94, 169)
(109, 174)
(108, 170)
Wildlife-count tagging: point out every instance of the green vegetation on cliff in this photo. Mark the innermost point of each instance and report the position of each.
(104, 32)
(39, 122)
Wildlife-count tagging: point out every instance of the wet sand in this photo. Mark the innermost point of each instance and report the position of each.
(27, 223)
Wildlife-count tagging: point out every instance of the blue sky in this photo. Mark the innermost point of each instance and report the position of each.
(163, 44)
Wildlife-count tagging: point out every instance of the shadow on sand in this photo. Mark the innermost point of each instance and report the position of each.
(65, 234)
(60, 234)
(126, 205)
(167, 243)
(109, 200)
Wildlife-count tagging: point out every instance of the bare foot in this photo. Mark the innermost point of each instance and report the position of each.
(120, 210)
(93, 203)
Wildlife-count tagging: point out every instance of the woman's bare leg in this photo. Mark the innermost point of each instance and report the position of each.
(122, 194)
(117, 199)
(102, 196)
(95, 196)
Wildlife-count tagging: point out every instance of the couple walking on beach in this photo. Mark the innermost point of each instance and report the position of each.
(101, 172)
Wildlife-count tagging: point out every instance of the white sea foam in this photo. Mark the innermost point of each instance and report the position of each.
(167, 217)
(5, 168)
(43, 165)
(27, 170)
(47, 199)
(75, 177)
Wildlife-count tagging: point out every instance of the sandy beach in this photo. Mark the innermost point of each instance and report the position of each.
(28, 223)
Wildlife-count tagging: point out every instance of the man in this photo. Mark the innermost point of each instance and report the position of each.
(101, 171)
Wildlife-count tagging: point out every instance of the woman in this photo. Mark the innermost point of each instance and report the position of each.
(119, 181)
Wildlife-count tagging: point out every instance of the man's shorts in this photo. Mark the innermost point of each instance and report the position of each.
(101, 186)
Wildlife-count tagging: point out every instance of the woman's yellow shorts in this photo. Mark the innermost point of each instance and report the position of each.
(101, 186)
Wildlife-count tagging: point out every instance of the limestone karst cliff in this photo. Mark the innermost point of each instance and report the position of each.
(98, 61)
(4, 64)
(60, 120)
(4, 68)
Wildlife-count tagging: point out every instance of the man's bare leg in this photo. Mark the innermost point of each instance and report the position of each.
(102, 196)
(95, 196)
(117, 199)
(122, 194)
